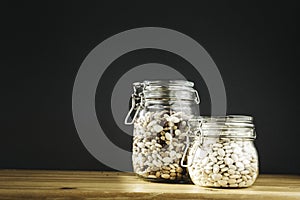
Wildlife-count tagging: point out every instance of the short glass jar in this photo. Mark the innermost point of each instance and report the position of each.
(162, 110)
(222, 153)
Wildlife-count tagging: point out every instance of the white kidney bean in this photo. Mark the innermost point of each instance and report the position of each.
(158, 144)
(239, 166)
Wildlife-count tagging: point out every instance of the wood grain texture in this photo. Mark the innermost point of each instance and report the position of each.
(61, 185)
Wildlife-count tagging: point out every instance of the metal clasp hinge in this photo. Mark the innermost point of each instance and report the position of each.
(197, 99)
(197, 134)
(137, 102)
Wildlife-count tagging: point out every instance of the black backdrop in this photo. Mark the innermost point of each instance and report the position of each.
(254, 45)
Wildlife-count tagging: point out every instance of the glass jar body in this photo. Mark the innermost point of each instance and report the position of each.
(159, 141)
(223, 162)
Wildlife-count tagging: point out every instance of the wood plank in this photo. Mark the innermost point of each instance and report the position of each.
(39, 184)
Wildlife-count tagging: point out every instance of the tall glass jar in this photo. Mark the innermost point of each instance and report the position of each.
(222, 153)
(161, 110)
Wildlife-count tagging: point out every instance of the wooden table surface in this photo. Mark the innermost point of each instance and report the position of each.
(37, 184)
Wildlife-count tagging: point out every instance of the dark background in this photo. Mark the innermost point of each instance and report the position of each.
(254, 45)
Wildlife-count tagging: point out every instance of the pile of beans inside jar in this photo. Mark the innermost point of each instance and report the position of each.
(223, 162)
(158, 145)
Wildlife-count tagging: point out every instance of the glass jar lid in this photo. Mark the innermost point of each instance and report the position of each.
(231, 126)
(167, 90)
(166, 83)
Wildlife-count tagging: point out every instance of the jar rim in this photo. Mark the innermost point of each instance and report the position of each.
(224, 126)
(225, 119)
